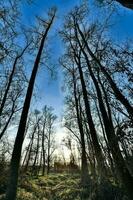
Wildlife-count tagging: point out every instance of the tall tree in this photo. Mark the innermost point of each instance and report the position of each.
(16, 155)
(118, 94)
(3, 101)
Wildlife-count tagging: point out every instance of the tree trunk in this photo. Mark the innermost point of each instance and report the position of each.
(98, 152)
(43, 149)
(34, 166)
(28, 154)
(10, 80)
(113, 85)
(123, 172)
(84, 165)
(48, 157)
(16, 155)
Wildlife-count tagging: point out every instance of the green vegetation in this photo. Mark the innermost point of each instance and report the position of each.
(52, 187)
(65, 187)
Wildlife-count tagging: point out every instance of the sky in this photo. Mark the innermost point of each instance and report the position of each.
(50, 91)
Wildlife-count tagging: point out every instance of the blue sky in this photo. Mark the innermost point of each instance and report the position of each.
(50, 91)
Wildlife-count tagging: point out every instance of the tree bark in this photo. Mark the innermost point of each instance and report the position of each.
(10, 79)
(48, 157)
(28, 153)
(43, 148)
(34, 166)
(98, 152)
(123, 171)
(84, 165)
(118, 94)
(16, 155)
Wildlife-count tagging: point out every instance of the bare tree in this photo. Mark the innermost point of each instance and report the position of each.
(16, 155)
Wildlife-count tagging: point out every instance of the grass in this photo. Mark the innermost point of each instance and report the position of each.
(65, 187)
(51, 187)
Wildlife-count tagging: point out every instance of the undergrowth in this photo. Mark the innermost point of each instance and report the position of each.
(65, 187)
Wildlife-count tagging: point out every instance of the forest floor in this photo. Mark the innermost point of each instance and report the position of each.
(64, 186)
(52, 187)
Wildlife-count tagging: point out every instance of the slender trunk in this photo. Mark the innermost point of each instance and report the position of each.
(84, 165)
(13, 111)
(34, 166)
(48, 157)
(6, 125)
(10, 80)
(48, 164)
(28, 154)
(111, 121)
(118, 94)
(40, 164)
(90, 147)
(44, 162)
(104, 135)
(123, 172)
(98, 152)
(91, 158)
(106, 100)
(16, 155)
(43, 149)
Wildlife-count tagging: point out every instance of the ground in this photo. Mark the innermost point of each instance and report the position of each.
(65, 187)
(52, 187)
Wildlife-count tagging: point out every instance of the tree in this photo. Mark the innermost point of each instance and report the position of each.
(12, 72)
(75, 54)
(118, 94)
(89, 62)
(11, 78)
(49, 135)
(125, 3)
(128, 3)
(9, 19)
(41, 145)
(16, 155)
